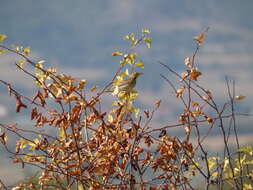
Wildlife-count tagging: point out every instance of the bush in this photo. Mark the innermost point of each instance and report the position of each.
(119, 148)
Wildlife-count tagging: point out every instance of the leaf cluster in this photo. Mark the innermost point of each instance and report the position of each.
(120, 148)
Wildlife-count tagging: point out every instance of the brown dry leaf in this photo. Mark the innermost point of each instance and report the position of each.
(34, 113)
(19, 104)
(39, 95)
(162, 133)
(158, 103)
(93, 88)
(180, 92)
(209, 120)
(81, 84)
(206, 98)
(13, 127)
(18, 145)
(187, 130)
(194, 74)
(148, 141)
(200, 38)
(239, 97)
(184, 75)
(146, 113)
(117, 53)
(3, 138)
(187, 62)
(75, 112)
(70, 98)
(9, 89)
(195, 104)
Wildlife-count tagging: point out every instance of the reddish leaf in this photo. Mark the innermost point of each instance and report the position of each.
(40, 97)
(19, 104)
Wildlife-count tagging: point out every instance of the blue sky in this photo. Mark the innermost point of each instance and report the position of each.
(79, 36)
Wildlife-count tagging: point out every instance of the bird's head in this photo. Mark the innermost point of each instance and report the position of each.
(135, 75)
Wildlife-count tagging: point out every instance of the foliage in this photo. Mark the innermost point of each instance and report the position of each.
(120, 148)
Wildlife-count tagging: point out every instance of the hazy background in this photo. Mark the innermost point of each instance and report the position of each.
(78, 37)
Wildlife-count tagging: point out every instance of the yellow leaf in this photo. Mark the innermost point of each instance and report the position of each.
(2, 51)
(127, 37)
(247, 186)
(236, 170)
(214, 174)
(148, 41)
(132, 37)
(116, 90)
(226, 162)
(21, 63)
(110, 118)
(27, 157)
(246, 149)
(136, 112)
(61, 134)
(26, 51)
(212, 162)
(145, 31)
(39, 65)
(80, 187)
(139, 64)
(2, 37)
(133, 95)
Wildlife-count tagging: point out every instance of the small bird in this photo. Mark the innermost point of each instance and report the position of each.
(128, 84)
